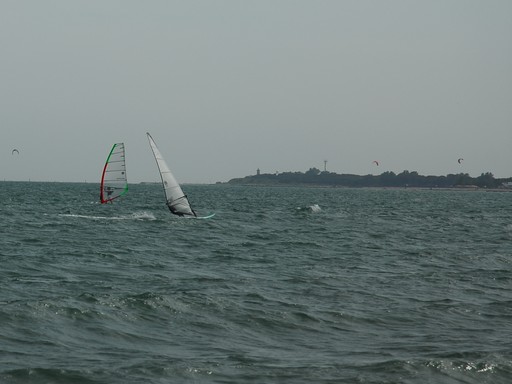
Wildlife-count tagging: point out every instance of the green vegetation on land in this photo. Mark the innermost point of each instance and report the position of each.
(387, 179)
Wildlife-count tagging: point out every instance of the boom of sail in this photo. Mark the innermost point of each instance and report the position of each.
(176, 200)
(113, 178)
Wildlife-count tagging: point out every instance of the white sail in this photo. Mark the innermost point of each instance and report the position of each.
(113, 178)
(176, 200)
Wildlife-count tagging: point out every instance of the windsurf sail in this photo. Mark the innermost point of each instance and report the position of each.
(176, 200)
(113, 178)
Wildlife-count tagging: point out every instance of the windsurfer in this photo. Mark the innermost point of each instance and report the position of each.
(174, 210)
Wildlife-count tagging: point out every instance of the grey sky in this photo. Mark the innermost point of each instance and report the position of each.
(226, 87)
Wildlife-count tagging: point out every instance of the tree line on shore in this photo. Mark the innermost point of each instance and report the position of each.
(386, 179)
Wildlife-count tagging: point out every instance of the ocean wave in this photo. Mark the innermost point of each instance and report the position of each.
(143, 215)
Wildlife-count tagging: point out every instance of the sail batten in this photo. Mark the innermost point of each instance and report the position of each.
(177, 201)
(113, 179)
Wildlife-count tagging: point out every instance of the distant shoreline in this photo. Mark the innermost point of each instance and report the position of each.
(412, 188)
(405, 179)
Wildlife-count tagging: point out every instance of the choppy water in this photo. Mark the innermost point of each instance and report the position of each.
(371, 286)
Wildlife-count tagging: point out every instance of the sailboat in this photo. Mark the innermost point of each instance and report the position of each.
(113, 178)
(176, 200)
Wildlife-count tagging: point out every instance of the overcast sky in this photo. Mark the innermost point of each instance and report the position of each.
(229, 86)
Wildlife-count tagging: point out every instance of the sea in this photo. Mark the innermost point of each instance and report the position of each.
(282, 285)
